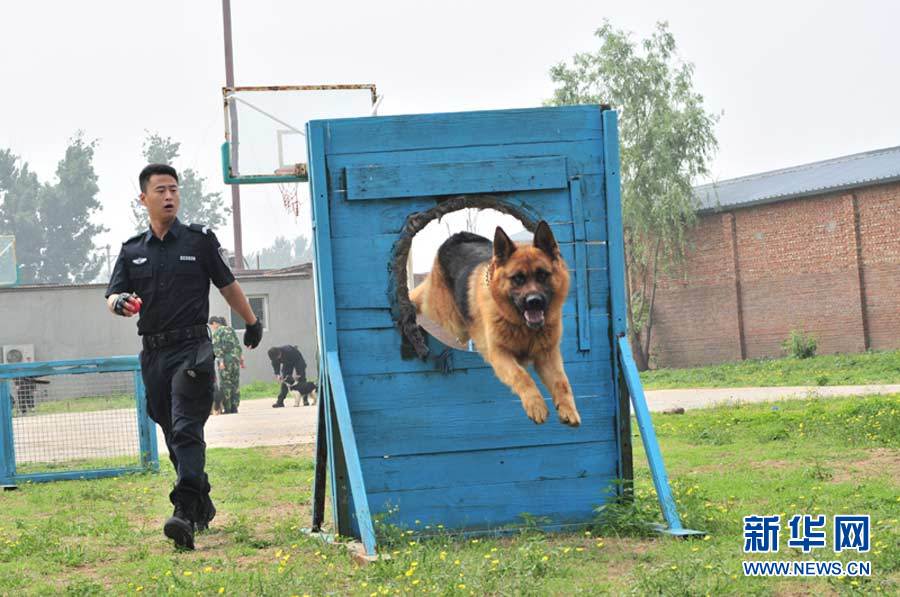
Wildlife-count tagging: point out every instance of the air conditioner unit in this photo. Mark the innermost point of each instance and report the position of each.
(18, 353)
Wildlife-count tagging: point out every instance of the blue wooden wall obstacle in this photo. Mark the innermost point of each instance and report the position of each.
(415, 446)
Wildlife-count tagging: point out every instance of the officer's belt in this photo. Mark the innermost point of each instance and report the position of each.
(171, 337)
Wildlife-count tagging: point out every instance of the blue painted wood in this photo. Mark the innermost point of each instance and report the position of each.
(146, 427)
(580, 249)
(95, 365)
(77, 475)
(447, 178)
(461, 129)
(548, 502)
(648, 436)
(615, 231)
(7, 443)
(324, 297)
(348, 440)
(364, 319)
(443, 427)
(490, 467)
(363, 218)
(582, 157)
(459, 448)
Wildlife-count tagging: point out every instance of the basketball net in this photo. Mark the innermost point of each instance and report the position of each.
(289, 197)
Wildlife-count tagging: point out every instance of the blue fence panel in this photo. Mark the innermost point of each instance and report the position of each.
(74, 419)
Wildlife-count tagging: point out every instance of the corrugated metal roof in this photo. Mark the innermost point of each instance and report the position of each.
(847, 172)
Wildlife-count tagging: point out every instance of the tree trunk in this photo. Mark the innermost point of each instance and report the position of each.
(649, 328)
(640, 359)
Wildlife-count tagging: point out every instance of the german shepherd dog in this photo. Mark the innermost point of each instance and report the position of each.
(508, 299)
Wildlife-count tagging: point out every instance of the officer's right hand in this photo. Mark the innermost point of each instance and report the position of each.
(127, 304)
(253, 334)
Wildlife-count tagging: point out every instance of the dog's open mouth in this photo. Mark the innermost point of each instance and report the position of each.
(534, 317)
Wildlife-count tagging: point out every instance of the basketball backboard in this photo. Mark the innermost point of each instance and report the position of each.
(265, 127)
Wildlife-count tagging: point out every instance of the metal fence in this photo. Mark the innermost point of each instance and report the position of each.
(74, 419)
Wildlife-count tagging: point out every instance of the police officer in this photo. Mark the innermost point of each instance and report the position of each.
(163, 276)
(227, 349)
(286, 360)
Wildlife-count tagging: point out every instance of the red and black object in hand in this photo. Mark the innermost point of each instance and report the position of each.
(127, 304)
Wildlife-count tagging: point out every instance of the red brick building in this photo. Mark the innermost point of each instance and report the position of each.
(814, 248)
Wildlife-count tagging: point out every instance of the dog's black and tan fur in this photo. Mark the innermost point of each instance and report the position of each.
(508, 299)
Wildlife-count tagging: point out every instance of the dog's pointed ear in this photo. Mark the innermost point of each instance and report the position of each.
(543, 240)
(503, 247)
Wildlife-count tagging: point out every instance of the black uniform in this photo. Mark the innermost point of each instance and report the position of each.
(172, 277)
(292, 368)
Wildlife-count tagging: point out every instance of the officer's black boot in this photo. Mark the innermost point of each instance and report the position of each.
(205, 515)
(180, 529)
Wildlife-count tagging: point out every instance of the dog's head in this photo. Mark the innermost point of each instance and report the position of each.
(529, 282)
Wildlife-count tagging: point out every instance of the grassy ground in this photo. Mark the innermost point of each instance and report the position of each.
(823, 370)
(830, 457)
(84, 404)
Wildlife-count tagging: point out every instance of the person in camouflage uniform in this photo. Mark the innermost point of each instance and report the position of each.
(229, 360)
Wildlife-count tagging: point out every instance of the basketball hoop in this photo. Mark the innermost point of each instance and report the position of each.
(289, 197)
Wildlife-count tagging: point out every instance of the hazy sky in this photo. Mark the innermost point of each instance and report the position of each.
(795, 81)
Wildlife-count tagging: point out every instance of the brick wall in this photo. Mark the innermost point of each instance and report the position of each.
(827, 264)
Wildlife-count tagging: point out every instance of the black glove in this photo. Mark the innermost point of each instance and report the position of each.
(119, 305)
(253, 334)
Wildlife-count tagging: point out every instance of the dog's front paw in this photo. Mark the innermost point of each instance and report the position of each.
(569, 415)
(536, 409)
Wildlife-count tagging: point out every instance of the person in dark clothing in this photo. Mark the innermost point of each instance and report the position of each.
(289, 368)
(163, 275)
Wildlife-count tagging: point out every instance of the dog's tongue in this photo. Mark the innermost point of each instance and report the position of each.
(534, 316)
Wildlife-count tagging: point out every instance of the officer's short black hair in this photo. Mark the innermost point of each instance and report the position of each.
(274, 353)
(151, 169)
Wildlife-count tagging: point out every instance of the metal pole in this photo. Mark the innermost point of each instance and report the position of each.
(235, 189)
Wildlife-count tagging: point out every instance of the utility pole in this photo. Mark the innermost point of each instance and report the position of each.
(235, 189)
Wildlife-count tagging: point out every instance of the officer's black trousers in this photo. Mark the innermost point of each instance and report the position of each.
(179, 382)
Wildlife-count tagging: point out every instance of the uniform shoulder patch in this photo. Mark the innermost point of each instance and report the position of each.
(200, 228)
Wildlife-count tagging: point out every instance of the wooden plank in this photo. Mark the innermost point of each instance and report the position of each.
(582, 158)
(489, 467)
(463, 387)
(429, 436)
(580, 265)
(498, 421)
(557, 501)
(381, 181)
(370, 352)
(362, 218)
(364, 319)
(462, 129)
(351, 454)
(616, 253)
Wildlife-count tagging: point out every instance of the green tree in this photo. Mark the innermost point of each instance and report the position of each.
(667, 140)
(282, 253)
(197, 205)
(65, 211)
(303, 250)
(20, 193)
